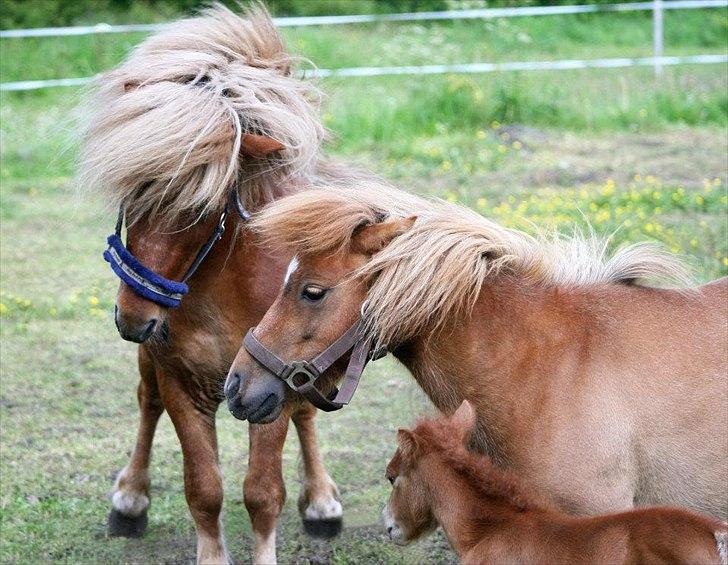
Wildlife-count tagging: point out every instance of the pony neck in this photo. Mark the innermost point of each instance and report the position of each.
(480, 355)
(465, 515)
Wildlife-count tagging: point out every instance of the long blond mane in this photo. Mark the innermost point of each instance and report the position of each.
(437, 268)
(163, 130)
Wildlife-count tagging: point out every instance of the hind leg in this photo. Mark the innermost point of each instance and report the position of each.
(130, 497)
(318, 503)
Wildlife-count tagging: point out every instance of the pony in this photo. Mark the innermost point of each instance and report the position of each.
(605, 391)
(204, 118)
(490, 516)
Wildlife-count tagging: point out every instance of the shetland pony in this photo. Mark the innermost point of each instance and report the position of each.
(607, 393)
(202, 111)
(493, 517)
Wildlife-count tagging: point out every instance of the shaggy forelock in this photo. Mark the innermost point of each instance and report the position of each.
(324, 219)
(436, 270)
(163, 130)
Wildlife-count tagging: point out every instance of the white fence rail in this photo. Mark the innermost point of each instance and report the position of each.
(657, 60)
(484, 13)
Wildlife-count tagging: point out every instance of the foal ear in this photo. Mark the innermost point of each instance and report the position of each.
(374, 237)
(465, 418)
(259, 145)
(408, 445)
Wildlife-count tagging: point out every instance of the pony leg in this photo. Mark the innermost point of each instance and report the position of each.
(130, 497)
(318, 503)
(264, 491)
(194, 422)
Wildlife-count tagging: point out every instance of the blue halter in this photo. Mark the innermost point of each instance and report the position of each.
(147, 283)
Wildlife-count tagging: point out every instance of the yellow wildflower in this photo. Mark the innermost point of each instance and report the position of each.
(93, 300)
(480, 134)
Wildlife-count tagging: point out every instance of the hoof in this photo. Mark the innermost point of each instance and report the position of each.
(328, 528)
(127, 526)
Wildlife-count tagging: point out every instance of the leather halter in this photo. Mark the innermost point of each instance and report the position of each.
(153, 286)
(302, 376)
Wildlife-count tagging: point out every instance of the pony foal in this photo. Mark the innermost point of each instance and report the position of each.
(492, 517)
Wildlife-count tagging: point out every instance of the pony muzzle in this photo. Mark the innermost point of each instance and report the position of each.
(258, 399)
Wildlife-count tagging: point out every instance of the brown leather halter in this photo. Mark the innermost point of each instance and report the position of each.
(302, 376)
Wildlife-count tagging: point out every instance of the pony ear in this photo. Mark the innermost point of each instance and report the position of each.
(255, 145)
(465, 419)
(372, 238)
(408, 444)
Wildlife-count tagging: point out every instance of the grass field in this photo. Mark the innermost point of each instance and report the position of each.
(617, 149)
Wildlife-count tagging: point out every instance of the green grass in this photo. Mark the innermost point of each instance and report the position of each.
(618, 149)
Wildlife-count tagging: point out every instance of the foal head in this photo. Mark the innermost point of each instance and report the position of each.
(203, 108)
(416, 469)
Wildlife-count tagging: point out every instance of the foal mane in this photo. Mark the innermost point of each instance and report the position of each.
(437, 268)
(163, 130)
(438, 435)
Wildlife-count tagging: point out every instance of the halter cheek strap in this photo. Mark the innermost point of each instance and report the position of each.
(302, 376)
(151, 285)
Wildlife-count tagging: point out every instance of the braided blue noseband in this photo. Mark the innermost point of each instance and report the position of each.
(147, 283)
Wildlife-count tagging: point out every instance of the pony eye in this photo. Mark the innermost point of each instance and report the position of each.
(313, 293)
(391, 479)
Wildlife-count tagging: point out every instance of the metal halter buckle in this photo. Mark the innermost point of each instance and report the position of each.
(297, 368)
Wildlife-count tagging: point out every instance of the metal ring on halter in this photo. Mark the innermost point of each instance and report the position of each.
(302, 376)
(153, 286)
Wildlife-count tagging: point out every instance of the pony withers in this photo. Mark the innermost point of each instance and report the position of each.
(605, 391)
(490, 516)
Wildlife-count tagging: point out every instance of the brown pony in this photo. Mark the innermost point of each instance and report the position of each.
(605, 392)
(493, 517)
(203, 112)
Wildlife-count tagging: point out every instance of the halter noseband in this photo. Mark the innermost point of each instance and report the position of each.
(147, 283)
(302, 376)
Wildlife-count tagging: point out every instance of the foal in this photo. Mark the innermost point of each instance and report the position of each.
(490, 516)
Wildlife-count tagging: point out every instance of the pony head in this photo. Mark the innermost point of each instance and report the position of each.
(334, 235)
(205, 107)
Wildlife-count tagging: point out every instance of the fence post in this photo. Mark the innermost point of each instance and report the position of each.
(657, 35)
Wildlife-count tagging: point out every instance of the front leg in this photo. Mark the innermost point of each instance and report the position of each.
(130, 497)
(194, 421)
(318, 503)
(263, 490)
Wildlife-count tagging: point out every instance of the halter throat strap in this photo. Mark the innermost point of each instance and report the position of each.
(302, 376)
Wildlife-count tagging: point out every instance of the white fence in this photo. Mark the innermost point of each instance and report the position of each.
(657, 60)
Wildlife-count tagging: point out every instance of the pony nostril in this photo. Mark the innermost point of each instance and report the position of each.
(148, 330)
(389, 530)
(232, 385)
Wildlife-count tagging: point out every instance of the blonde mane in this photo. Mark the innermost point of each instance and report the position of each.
(437, 269)
(163, 130)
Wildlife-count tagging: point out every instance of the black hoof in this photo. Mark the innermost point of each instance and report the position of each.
(323, 528)
(127, 526)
